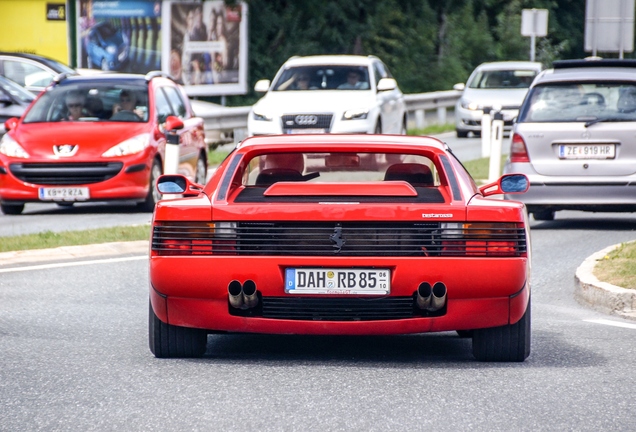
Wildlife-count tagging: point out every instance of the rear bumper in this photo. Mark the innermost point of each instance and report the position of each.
(584, 193)
(193, 292)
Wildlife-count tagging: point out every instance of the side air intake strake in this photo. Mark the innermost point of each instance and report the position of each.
(339, 239)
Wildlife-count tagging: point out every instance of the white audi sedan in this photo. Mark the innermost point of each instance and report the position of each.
(329, 94)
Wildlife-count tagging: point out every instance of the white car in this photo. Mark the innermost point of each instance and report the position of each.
(329, 94)
(497, 84)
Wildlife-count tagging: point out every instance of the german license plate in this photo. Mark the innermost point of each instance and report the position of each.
(359, 281)
(590, 151)
(64, 194)
(305, 131)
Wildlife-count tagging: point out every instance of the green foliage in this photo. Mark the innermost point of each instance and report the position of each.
(428, 45)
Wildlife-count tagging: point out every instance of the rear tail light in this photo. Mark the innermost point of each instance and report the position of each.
(191, 239)
(483, 239)
(518, 150)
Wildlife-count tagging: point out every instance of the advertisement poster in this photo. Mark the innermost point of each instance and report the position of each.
(205, 46)
(119, 35)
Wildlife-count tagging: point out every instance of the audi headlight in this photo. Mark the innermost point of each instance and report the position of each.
(261, 117)
(11, 148)
(355, 114)
(130, 146)
(473, 106)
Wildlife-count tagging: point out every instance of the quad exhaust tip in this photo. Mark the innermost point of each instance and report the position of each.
(431, 298)
(242, 296)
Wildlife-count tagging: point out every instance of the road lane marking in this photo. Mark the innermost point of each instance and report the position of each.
(71, 264)
(611, 323)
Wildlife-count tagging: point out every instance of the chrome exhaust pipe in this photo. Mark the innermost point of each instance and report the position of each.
(424, 295)
(250, 298)
(235, 291)
(438, 298)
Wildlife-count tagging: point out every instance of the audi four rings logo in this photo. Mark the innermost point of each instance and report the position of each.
(306, 120)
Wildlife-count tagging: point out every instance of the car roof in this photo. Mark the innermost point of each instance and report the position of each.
(589, 70)
(111, 78)
(331, 60)
(335, 139)
(508, 65)
(51, 63)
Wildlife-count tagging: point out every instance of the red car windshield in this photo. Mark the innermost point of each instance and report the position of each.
(91, 102)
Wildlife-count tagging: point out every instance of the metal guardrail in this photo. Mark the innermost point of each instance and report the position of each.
(227, 124)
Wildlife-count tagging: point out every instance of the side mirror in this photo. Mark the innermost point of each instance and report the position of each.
(507, 183)
(11, 123)
(459, 86)
(387, 84)
(173, 123)
(178, 184)
(262, 86)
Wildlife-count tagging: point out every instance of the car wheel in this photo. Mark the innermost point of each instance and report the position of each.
(202, 171)
(508, 343)
(543, 215)
(12, 209)
(148, 205)
(167, 340)
(378, 127)
(461, 133)
(464, 333)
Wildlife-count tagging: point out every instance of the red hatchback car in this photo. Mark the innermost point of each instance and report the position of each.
(98, 138)
(341, 235)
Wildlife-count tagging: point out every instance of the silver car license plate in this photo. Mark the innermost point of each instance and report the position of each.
(587, 151)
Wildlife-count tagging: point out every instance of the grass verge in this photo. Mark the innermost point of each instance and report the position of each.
(49, 239)
(619, 266)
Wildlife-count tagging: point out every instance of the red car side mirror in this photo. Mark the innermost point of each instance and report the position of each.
(11, 123)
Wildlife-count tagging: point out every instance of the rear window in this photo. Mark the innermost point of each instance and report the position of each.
(580, 102)
(256, 175)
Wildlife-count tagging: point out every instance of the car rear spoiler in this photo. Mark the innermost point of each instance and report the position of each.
(381, 188)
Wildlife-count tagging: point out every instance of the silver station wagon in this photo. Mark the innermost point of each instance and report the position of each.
(575, 138)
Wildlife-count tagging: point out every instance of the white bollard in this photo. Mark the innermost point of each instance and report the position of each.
(171, 160)
(495, 151)
(485, 132)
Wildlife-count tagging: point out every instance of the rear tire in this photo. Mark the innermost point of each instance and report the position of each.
(148, 205)
(508, 343)
(12, 209)
(543, 215)
(202, 171)
(461, 133)
(168, 341)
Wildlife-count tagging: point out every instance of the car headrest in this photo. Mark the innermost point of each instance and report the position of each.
(413, 173)
(268, 177)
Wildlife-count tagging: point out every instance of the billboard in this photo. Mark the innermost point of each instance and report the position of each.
(205, 46)
(118, 35)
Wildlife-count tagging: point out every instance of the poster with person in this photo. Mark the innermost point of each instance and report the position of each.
(205, 47)
(119, 35)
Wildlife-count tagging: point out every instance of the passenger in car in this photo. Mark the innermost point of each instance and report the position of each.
(128, 102)
(353, 82)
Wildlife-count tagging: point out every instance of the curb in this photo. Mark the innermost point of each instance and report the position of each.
(602, 296)
(73, 252)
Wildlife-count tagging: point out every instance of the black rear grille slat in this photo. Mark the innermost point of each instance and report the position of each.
(65, 173)
(342, 239)
(338, 309)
